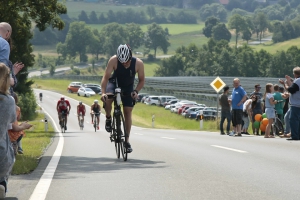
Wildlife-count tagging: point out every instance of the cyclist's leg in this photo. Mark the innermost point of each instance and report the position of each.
(128, 120)
(98, 119)
(92, 116)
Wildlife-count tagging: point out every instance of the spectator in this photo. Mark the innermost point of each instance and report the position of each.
(247, 113)
(286, 102)
(269, 106)
(16, 136)
(294, 90)
(225, 111)
(279, 106)
(287, 129)
(238, 98)
(5, 32)
(258, 107)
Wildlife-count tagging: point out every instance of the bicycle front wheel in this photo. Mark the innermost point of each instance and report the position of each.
(123, 135)
(114, 136)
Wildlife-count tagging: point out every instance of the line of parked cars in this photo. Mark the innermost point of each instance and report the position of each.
(87, 89)
(188, 109)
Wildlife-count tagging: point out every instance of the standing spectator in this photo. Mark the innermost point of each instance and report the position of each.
(5, 32)
(279, 106)
(294, 89)
(258, 107)
(247, 113)
(238, 98)
(225, 111)
(286, 102)
(287, 128)
(270, 108)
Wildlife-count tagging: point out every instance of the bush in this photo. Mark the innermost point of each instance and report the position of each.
(27, 103)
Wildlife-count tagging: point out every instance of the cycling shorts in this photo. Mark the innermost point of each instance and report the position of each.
(65, 111)
(126, 98)
(81, 111)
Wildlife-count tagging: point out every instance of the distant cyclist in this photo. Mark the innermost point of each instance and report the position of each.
(41, 96)
(80, 110)
(63, 105)
(124, 68)
(95, 109)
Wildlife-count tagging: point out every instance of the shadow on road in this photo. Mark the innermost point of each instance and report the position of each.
(71, 165)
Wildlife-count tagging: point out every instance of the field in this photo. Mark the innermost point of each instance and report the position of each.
(142, 114)
(273, 48)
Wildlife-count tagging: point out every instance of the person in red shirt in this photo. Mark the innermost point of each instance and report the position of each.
(63, 105)
(80, 109)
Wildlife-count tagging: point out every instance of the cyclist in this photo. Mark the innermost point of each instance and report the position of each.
(41, 96)
(63, 105)
(95, 109)
(124, 67)
(80, 109)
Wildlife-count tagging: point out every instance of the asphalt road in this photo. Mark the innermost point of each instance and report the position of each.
(164, 164)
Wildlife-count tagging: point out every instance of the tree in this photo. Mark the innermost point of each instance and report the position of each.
(238, 23)
(93, 18)
(135, 35)
(261, 23)
(78, 39)
(246, 35)
(170, 66)
(209, 24)
(102, 19)
(97, 43)
(151, 12)
(83, 17)
(220, 32)
(52, 70)
(156, 37)
(21, 14)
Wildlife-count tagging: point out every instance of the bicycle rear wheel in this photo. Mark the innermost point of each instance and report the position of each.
(123, 134)
(114, 135)
(277, 127)
(63, 125)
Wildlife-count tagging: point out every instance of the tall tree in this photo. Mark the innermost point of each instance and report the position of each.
(261, 23)
(135, 35)
(156, 37)
(93, 18)
(97, 43)
(83, 17)
(238, 23)
(209, 24)
(151, 12)
(220, 32)
(21, 14)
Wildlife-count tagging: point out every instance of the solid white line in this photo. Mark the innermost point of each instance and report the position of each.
(230, 149)
(44, 183)
(168, 138)
(138, 134)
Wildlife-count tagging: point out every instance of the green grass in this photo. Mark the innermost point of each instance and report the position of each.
(274, 47)
(33, 144)
(150, 67)
(142, 114)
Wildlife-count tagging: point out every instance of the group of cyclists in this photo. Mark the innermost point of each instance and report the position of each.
(121, 67)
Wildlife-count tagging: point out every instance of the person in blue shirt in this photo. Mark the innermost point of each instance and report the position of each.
(239, 96)
(5, 32)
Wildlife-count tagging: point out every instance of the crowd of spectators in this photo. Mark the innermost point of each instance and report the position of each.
(11, 132)
(280, 101)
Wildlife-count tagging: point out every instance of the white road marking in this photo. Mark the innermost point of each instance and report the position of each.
(138, 134)
(168, 138)
(43, 185)
(230, 149)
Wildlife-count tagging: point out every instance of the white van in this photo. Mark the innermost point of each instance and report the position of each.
(152, 100)
(163, 99)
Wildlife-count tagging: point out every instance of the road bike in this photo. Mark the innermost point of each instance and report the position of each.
(118, 132)
(277, 126)
(63, 122)
(81, 121)
(95, 124)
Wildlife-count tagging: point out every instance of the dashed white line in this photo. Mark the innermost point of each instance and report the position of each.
(168, 138)
(230, 149)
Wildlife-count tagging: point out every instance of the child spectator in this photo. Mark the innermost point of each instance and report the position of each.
(269, 108)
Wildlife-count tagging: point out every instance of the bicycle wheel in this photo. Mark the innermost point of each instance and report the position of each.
(114, 136)
(123, 134)
(280, 127)
(63, 125)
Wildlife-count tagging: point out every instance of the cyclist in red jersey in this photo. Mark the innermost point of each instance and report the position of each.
(63, 105)
(80, 109)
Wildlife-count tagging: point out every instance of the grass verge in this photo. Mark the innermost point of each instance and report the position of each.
(33, 144)
(142, 114)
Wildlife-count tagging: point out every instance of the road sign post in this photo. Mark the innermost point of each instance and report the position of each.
(201, 119)
(218, 85)
(153, 119)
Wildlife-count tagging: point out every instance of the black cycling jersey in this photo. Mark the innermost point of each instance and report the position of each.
(41, 94)
(96, 108)
(125, 76)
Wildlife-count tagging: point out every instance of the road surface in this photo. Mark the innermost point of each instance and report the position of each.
(164, 164)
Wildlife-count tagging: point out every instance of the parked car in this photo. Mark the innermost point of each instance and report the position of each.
(96, 89)
(91, 85)
(180, 110)
(207, 115)
(188, 111)
(144, 98)
(85, 92)
(152, 100)
(140, 97)
(163, 99)
(74, 87)
(171, 102)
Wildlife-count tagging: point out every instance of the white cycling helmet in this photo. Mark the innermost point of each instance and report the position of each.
(95, 101)
(124, 53)
(80, 102)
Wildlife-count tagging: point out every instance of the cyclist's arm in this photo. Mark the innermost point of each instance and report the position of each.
(77, 110)
(141, 74)
(109, 69)
(57, 106)
(92, 107)
(84, 108)
(69, 105)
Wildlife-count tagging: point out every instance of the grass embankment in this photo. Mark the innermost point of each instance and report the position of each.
(274, 47)
(142, 114)
(33, 144)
